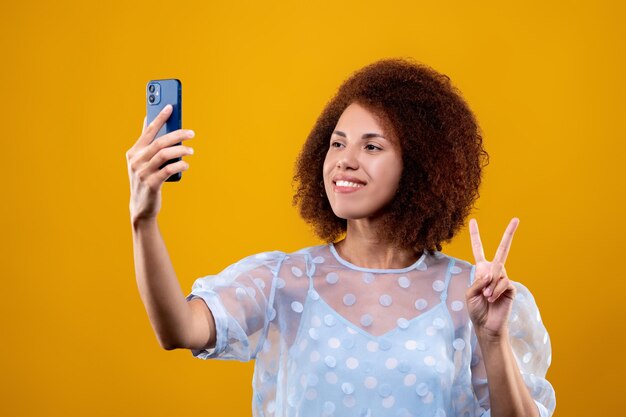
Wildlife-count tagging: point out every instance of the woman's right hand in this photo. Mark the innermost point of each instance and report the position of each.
(144, 160)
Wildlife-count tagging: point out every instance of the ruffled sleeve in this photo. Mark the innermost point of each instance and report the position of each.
(532, 350)
(240, 299)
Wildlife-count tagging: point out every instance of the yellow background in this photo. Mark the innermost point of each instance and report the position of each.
(545, 80)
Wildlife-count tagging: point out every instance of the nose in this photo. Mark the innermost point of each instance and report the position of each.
(348, 159)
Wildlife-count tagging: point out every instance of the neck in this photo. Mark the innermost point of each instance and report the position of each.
(363, 248)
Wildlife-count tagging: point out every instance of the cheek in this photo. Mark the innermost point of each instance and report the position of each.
(389, 171)
(328, 166)
(326, 171)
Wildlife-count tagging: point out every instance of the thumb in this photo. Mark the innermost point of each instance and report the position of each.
(480, 283)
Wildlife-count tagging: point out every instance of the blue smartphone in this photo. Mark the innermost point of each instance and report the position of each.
(160, 93)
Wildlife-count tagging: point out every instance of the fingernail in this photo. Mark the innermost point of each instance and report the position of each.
(191, 133)
(191, 150)
(167, 108)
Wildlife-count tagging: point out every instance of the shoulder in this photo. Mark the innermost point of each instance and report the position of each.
(303, 261)
(456, 268)
(298, 262)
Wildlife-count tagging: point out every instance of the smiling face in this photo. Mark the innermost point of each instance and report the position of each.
(363, 165)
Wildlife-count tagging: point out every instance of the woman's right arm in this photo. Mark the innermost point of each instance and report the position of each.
(176, 322)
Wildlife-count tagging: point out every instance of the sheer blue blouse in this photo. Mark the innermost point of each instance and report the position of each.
(330, 338)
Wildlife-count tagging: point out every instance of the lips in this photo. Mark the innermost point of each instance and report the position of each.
(348, 178)
(344, 184)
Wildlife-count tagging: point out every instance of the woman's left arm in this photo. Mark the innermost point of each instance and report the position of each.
(489, 302)
(508, 394)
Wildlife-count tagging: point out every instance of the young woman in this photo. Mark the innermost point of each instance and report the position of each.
(377, 321)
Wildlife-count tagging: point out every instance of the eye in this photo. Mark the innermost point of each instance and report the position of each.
(332, 145)
(371, 147)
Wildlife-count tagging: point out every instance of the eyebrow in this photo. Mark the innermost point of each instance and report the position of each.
(365, 135)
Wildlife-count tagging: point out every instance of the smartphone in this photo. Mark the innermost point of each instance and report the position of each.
(160, 93)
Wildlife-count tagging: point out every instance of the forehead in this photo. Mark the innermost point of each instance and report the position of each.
(358, 118)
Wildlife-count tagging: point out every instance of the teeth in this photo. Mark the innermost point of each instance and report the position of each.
(348, 184)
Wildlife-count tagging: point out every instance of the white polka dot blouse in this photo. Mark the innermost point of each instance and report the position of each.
(330, 338)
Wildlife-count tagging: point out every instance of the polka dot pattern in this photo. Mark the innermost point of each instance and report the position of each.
(347, 388)
(421, 304)
(385, 300)
(372, 346)
(389, 401)
(456, 305)
(330, 361)
(367, 320)
(349, 299)
(240, 294)
(331, 377)
(402, 323)
(384, 390)
(349, 401)
(370, 382)
(422, 267)
(391, 363)
(439, 323)
(404, 282)
(422, 389)
(362, 333)
(318, 260)
(368, 278)
(458, 344)
(332, 278)
(410, 380)
(384, 344)
(352, 363)
(310, 394)
(334, 343)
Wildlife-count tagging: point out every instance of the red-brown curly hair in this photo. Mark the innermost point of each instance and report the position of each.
(442, 154)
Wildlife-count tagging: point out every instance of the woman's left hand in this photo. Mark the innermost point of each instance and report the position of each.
(490, 298)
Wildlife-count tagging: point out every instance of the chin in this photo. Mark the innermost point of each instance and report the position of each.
(352, 214)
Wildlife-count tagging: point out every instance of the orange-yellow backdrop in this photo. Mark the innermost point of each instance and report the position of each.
(545, 80)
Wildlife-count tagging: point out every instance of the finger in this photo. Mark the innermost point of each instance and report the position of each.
(172, 138)
(497, 272)
(481, 281)
(147, 136)
(505, 243)
(166, 154)
(169, 170)
(145, 123)
(503, 285)
(477, 246)
(162, 142)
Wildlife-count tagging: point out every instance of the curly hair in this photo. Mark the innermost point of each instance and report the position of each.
(442, 154)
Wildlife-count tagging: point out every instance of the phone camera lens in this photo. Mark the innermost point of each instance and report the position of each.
(151, 98)
(151, 88)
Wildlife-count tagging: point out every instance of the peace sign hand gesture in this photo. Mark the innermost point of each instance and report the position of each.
(490, 298)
